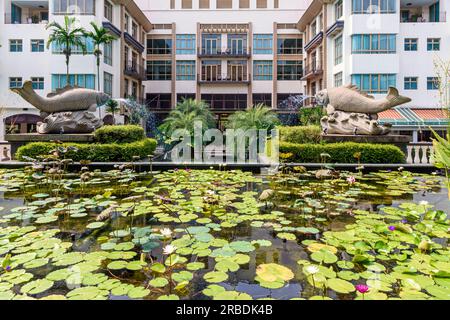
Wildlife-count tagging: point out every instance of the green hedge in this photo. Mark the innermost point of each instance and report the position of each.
(341, 152)
(94, 152)
(301, 134)
(119, 134)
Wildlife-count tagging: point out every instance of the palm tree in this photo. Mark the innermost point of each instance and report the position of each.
(66, 36)
(185, 114)
(112, 106)
(258, 117)
(99, 36)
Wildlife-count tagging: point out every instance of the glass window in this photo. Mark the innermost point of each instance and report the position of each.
(159, 46)
(373, 43)
(211, 44)
(289, 70)
(185, 43)
(263, 44)
(432, 83)
(15, 82)
(264, 98)
(433, 44)
(88, 43)
(80, 80)
(159, 70)
(261, 4)
(244, 4)
(37, 45)
(373, 6)
(108, 8)
(374, 83)
(107, 83)
(262, 69)
(107, 53)
(338, 50)
(37, 83)
(224, 4)
(159, 101)
(15, 45)
(410, 83)
(338, 9)
(186, 70)
(338, 79)
(172, 4)
(411, 44)
(204, 4)
(237, 44)
(85, 7)
(290, 46)
(186, 4)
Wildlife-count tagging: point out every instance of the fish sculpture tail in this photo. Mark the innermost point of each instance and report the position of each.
(395, 99)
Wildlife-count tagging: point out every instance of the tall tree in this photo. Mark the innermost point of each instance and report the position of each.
(100, 36)
(66, 36)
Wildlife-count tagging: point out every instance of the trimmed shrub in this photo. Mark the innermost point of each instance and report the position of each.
(119, 134)
(301, 134)
(94, 152)
(341, 152)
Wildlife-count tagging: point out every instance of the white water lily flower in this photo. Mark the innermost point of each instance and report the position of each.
(169, 249)
(210, 192)
(312, 269)
(423, 203)
(166, 232)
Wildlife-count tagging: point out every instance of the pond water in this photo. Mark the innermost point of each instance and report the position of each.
(205, 234)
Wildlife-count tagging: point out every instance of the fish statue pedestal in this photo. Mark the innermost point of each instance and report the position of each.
(352, 112)
(69, 122)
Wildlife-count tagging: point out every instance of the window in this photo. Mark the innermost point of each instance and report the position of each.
(338, 79)
(37, 83)
(276, 4)
(159, 70)
(185, 43)
(80, 80)
(185, 96)
(172, 4)
(289, 70)
(433, 44)
(134, 30)
(107, 53)
(159, 100)
(264, 98)
(410, 44)
(374, 83)
(432, 83)
(186, 70)
(108, 8)
(15, 45)
(244, 4)
(211, 44)
(261, 4)
(159, 46)
(85, 7)
(226, 101)
(262, 70)
(338, 50)
(107, 83)
(204, 4)
(289, 46)
(373, 43)
(224, 4)
(37, 45)
(373, 6)
(410, 83)
(186, 4)
(237, 44)
(126, 23)
(262, 44)
(338, 9)
(15, 82)
(434, 12)
(88, 43)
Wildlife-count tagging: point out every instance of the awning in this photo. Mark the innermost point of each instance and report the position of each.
(415, 117)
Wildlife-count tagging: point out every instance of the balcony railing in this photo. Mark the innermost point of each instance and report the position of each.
(135, 70)
(224, 52)
(224, 78)
(311, 70)
(423, 18)
(419, 153)
(28, 20)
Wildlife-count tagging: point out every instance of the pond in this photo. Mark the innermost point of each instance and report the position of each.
(208, 234)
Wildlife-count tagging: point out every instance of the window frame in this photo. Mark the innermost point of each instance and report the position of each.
(391, 79)
(433, 44)
(37, 43)
(154, 50)
(260, 41)
(410, 83)
(38, 83)
(185, 44)
(374, 38)
(297, 50)
(151, 75)
(432, 83)
(17, 44)
(409, 43)
(283, 65)
(263, 65)
(186, 70)
(17, 81)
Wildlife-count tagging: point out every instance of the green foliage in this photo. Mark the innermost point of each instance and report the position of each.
(93, 152)
(258, 117)
(300, 134)
(310, 116)
(342, 152)
(184, 115)
(441, 155)
(119, 134)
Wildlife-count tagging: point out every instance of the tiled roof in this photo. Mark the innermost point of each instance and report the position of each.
(390, 114)
(430, 113)
(411, 117)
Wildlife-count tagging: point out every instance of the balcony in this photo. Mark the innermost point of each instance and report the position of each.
(134, 70)
(312, 70)
(315, 41)
(421, 11)
(335, 28)
(224, 53)
(133, 42)
(27, 12)
(223, 78)
(419, 17)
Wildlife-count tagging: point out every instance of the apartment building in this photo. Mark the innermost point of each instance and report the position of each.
(375, 44)
(230, 53)
(25, 56)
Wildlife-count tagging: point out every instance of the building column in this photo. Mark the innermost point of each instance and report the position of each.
(2, 128)
(324, 47)
(415, 136)
(122, 54)
(174, 65)
(199, 64)
(250, 66)
(275, 68)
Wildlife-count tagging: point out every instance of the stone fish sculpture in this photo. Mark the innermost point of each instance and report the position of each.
(68, 110)
(350, 111)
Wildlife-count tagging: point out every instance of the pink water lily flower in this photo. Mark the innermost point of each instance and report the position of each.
(351, 180)
(391, 228)
(361, 288)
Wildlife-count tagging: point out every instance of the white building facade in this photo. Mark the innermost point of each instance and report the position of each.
(25, 56)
